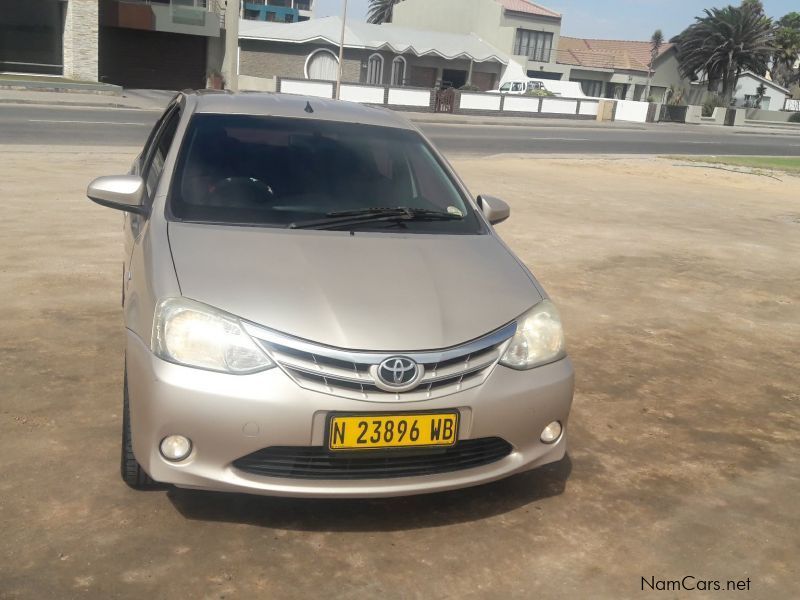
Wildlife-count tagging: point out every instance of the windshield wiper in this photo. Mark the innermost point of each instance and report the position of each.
(367, 215)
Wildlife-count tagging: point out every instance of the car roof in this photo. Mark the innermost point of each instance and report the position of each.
(296, 106)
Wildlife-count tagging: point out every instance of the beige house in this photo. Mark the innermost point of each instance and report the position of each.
(531, 34)
(526, 31)
(619, 68)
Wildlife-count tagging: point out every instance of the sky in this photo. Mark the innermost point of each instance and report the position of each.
(604, 19)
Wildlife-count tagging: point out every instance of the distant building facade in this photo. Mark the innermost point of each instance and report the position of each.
(373, 54)
(278, 11)
(155, 44)
(531, 34)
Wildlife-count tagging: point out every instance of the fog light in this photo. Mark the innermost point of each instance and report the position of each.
(551, 433)
(175, 447)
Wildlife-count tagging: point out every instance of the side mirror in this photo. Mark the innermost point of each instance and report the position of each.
(494, 209)
(122, 192)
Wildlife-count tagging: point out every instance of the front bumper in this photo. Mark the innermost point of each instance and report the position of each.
(230, 416)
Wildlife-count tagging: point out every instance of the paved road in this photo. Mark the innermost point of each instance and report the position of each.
(22, 124)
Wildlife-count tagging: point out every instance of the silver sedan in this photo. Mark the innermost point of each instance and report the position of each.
(315, 305)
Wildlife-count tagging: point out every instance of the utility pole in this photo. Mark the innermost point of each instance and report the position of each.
(341, 51)
(230, 61)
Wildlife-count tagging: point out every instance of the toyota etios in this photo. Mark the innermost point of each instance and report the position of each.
(316, 306)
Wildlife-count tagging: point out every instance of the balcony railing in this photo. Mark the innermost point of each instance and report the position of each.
(295, 4)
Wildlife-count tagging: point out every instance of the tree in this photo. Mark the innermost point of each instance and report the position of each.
(723, 43)
(656, 40)
(760, 91)
(380, 11)
(787, 40)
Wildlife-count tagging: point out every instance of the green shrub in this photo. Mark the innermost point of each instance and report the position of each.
(540, 93)
(468, 87)
(795, 118)
(710, 103)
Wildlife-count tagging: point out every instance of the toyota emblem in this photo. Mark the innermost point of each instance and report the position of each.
(398, 373)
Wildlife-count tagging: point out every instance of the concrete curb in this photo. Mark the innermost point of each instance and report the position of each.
(22, 85)
(73, 104)
(532, 123)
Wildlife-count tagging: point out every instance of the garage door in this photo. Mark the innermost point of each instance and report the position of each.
(135, 58)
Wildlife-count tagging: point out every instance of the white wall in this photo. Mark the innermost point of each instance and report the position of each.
(588, 108)
(559, 106)
(256, 84)
(521, 104)
(307, 88)
(480, 101)
(406, 97)
(631, 110)
(362, 93)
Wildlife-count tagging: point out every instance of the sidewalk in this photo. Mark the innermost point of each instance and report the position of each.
(450, 119)
(156, 100)
(131, 99)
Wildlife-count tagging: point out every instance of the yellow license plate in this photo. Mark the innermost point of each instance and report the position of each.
(407, 430)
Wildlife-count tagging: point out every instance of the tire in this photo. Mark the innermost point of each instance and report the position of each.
(131, 471)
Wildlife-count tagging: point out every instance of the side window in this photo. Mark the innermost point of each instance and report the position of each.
(148, 145)
(158, 153)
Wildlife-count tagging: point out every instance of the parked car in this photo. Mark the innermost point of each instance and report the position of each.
(519, 87)
(316, 306)
(566, 89)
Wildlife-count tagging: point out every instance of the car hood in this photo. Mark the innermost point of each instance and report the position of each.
(368, 291)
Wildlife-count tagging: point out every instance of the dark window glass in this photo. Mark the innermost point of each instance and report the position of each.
(271, 172)
(159, 153)
(536, 45)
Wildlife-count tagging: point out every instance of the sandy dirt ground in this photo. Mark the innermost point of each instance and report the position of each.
(680, 292)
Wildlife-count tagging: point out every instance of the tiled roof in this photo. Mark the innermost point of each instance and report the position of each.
(524, 6)
(606, 54)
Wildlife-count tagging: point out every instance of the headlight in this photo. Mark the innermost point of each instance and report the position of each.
(539, 338)
(196, 335)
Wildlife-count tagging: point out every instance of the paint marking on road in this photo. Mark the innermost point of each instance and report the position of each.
(88, 122)
(562, 139)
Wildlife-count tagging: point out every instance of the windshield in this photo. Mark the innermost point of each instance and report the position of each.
(278, 172)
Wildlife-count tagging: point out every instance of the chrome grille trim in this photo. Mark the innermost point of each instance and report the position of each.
(348, 373)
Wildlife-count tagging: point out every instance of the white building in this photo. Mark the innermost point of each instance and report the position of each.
(747, 91)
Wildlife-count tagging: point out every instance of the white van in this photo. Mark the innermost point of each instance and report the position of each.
(568, 89)
(520, 87)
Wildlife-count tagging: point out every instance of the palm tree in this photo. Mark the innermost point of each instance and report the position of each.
(656, 40)
(380, 11)
(725, 42)
(787, 40)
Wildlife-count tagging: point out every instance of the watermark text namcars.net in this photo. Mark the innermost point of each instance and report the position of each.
(690, 583)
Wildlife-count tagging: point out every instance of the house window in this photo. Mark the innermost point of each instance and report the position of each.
(590, 87)
(750, 101)
(399, 71)
(322, 64)
(375, 69)
(536, 45)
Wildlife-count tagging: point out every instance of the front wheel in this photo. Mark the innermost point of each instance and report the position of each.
(130, 469)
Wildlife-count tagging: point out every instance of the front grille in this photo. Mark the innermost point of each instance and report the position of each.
(316, 462)
(350, 373)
